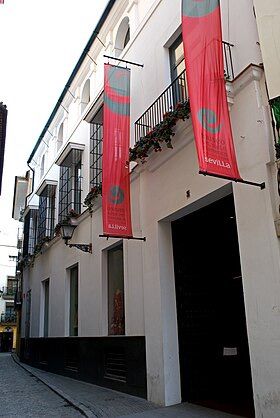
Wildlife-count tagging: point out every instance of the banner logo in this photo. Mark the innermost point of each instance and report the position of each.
(199, 8)
(116, 195)
(117, 95)
(208, 120)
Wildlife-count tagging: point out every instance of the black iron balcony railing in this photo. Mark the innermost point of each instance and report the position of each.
(8, 318)
(8, 291)
(229, 73)
(176, 92)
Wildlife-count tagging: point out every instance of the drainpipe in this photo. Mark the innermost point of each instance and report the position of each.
(32, 188)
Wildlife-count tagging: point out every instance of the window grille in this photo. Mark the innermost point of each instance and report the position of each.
(46, 213)
(30, 231)
(70, 184)
(96, 139)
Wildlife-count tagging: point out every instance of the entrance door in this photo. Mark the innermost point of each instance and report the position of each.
(213, 345)
(6, 341)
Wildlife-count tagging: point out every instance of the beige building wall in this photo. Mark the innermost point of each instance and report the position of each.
(268, 21)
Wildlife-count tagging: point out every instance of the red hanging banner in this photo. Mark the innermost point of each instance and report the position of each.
(115, 170)
(202, 38)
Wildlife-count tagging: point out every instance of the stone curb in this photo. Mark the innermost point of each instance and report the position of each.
(78, 406)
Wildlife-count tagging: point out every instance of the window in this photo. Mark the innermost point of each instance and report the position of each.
(96, 138)
(10, 313)
(30, 231)
(85, 96)
(116, 316)
(42, 166)
(73, 308)
(59, 138)
(70, 184)
(177, 72)
(46, 297)
(10, 310)
(177, 60)
(46, 214)
(122, 37)
(127, 37)
(11, 286)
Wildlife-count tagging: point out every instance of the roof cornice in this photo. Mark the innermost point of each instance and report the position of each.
(73, 74)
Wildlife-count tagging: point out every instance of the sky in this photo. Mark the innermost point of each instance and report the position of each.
(40, 43)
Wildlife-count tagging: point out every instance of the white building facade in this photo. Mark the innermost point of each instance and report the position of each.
(8, 286)
(196, 306)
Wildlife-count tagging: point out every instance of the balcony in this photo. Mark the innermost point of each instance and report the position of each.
(8, 318)
(175, 93)
(8, 292)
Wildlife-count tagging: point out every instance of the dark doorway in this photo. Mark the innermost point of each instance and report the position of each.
(6, 342)
(213, 344)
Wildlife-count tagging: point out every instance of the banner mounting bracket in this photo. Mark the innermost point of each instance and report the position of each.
(250, 183)
(121, 60)
(122, 236)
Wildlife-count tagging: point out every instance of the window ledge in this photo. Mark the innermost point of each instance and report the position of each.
(44, 184)
(66, 150)
(28, 208)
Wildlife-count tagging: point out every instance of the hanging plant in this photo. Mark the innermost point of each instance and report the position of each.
(92, 196)
(72, 214)
(161, 133)
(39, 246)
(57, 229)
(275, 104)
(31, 259)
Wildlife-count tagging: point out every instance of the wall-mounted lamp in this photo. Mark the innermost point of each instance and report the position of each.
(67, 232)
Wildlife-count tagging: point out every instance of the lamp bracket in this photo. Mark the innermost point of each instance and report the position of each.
(87, 248)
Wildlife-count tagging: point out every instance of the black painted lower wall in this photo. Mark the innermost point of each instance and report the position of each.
(114, 362)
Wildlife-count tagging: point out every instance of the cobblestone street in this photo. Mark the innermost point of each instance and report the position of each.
(23, 395)
(30, 392)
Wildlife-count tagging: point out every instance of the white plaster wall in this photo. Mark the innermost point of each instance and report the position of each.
(239, 28)
(52, 264)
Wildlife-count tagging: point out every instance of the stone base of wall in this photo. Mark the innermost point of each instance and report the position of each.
(117, 363)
